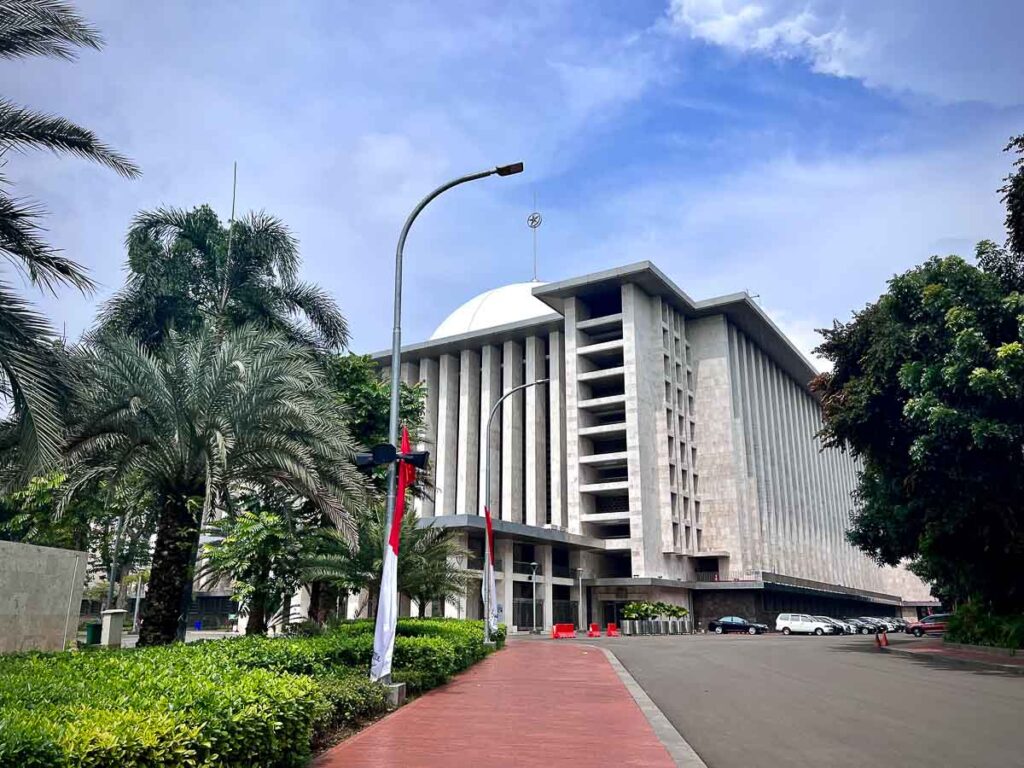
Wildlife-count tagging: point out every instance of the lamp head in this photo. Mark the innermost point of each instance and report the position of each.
(509, 170)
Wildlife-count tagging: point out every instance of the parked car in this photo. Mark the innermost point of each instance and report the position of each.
(801, 623)
(875, 624)
(889, 623)
(929, 625)
(841, 628)
(728, 624)
(862, 627)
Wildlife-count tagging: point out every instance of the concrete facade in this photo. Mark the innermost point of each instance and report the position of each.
(41, 596)
(673, 451)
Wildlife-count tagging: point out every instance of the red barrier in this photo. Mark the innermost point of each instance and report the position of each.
(594, 631)
(613, 630)
(563, 631)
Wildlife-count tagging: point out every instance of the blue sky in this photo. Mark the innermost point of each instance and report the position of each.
(805, 151)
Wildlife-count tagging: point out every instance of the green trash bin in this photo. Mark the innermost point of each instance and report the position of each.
(93, 632)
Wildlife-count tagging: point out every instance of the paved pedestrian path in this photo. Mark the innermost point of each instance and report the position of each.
(532, 704)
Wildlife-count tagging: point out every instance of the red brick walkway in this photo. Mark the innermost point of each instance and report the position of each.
(532, 704)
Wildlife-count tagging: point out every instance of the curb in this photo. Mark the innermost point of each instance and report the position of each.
(682, 754)
(1015, 669)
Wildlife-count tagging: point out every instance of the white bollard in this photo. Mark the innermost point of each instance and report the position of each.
(113, 624)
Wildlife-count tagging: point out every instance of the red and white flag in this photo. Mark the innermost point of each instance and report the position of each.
(488, 583)
(387, 604)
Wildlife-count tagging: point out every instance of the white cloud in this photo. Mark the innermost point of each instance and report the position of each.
(780, 30)
(948, 50)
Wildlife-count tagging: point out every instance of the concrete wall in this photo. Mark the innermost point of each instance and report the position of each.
(37, 584)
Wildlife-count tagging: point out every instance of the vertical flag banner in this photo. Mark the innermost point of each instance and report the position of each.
(387, 604)
(488, 582)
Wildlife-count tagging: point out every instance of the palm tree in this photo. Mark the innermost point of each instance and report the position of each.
(428, 559)
(37, 28)
(203, 415)
(184, 267)
(260, 551)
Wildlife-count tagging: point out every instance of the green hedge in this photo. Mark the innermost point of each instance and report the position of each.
(238, 702)
(972, 624)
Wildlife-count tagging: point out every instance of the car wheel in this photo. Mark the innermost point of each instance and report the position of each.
(918, 632)
(819, 631)
(863, 630)
(752, 631)
(718, 630)
(785, 630)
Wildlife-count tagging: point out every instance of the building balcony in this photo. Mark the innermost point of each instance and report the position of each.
(606, 518)
(600, 404)
(604, 321)
(601, 374)
(613, 459)
(604, 430)
(611, 488)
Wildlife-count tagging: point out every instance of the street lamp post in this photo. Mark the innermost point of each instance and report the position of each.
(488, 597)
(533, 578)
(579, 595)
(396, 334)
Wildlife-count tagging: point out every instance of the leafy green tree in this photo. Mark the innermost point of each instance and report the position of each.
(426, 555)
(114, 530)
(195, 420)
(927, 391)
(27, 381)
(185, 267)
(260, 550)
(367, 397)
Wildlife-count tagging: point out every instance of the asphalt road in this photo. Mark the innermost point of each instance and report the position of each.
(819, 701)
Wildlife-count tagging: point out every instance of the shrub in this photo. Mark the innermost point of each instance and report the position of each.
(238, 702)
(972, 624)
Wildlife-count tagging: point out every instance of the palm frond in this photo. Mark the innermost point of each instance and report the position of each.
(26, 368)
(24, 128)
(21, 242)
(43, 28)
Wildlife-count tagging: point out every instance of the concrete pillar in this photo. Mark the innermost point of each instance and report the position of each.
(512, 435)
(503, 551)
(571, 312)
(536, 434)
(429, 375)
(113, 625)
(556, 427)
(446, 474)
(490, 391)
(544, 589)
(469, 433)
(409, 372)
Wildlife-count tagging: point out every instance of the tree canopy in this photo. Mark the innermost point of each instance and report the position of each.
(927, 390)
(185, 267)
(27, 383)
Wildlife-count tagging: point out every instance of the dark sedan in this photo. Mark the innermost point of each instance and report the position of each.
(735, 624)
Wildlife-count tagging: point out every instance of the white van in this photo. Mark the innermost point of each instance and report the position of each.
(793, 623)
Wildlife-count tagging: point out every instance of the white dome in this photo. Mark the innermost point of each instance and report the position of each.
(499, 306)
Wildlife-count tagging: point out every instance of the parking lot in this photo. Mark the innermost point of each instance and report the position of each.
(771, 700)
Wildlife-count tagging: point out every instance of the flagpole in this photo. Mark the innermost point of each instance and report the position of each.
(488, 564)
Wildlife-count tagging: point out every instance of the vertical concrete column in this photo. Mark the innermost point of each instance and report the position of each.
(571, 310)
(503, 551)
(512, 435)
(490, 391)
(446, 476)
(429, 376)
(545, 588)
(469, 432)
(410, 372)
(556, 426)
(536, 434)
